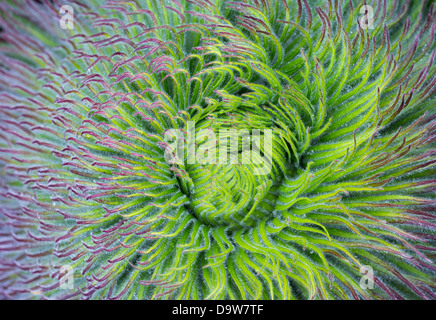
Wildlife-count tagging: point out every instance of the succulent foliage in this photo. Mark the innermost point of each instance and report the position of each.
(85, 115)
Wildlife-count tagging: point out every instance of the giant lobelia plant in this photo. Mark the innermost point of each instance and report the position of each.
(92, 114)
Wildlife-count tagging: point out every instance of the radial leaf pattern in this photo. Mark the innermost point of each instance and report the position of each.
(88, 114)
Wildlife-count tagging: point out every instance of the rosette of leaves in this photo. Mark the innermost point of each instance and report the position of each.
(85, 118)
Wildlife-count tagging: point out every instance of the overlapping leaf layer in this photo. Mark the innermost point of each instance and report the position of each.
(84, 181)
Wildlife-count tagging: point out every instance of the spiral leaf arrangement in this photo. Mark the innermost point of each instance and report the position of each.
(85, 116)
